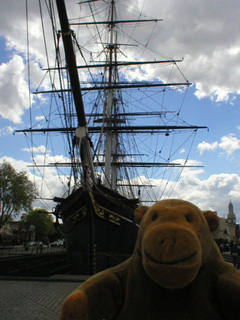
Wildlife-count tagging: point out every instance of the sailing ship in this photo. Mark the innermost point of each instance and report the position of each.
(122, 137)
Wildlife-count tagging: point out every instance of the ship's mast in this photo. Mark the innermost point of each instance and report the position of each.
(82, 130)
(111, 116)
(108, 111)
(111, 137)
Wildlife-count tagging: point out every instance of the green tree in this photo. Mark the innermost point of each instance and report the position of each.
(17, 192)
(41, 220)
(58, 233)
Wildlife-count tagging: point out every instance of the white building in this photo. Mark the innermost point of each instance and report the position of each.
(227, 227)
(231, 223)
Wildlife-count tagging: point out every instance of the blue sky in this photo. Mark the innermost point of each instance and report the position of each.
(206, 34)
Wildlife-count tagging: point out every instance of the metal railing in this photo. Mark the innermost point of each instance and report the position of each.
(15, 251)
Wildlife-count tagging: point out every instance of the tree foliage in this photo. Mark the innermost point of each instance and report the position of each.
(17, 192)
(41, 220)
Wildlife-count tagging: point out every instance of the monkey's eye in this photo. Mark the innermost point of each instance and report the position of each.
(154, 216)
(189, 218)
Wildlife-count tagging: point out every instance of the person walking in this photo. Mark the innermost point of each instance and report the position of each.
(41, 248)
(235, 255)
(38, 247)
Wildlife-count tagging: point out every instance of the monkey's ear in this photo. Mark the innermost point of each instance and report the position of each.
(139, 213)
(212, 219)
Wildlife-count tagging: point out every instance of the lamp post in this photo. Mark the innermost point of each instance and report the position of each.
(32, 232)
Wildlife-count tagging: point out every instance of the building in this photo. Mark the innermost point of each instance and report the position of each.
(9, 233)
(12, 230)
(228, 229)
(231, 223)
(10, 227)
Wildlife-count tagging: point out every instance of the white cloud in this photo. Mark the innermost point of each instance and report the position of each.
(6, 130)
(13, 90)
(230, 144)
(204, 32)
(18, 165)
(53, 184)
(206, 146)
(208, 194)
(39, 118)
(212, 192)
(39, 149)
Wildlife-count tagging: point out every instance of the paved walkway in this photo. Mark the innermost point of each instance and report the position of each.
(33, 300)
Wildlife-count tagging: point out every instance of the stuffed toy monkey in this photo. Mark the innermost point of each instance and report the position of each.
(175, 273)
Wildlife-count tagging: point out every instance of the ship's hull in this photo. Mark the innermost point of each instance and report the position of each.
(99, 229)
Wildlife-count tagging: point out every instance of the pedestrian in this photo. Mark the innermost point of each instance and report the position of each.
(38, 246)
(235, 254)
(238, 247)
(26, 246)
(222, 247)
(41, 247)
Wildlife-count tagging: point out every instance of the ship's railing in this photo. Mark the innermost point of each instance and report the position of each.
(21, 250)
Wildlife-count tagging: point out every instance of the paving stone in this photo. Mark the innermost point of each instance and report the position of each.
(33, 300)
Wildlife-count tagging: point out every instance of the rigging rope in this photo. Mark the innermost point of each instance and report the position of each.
(144, 142)
(181, 171)
(29, 87)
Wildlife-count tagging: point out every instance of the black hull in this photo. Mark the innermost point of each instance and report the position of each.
(99, 229)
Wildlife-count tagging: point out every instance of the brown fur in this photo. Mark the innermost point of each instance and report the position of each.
(175, 272)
